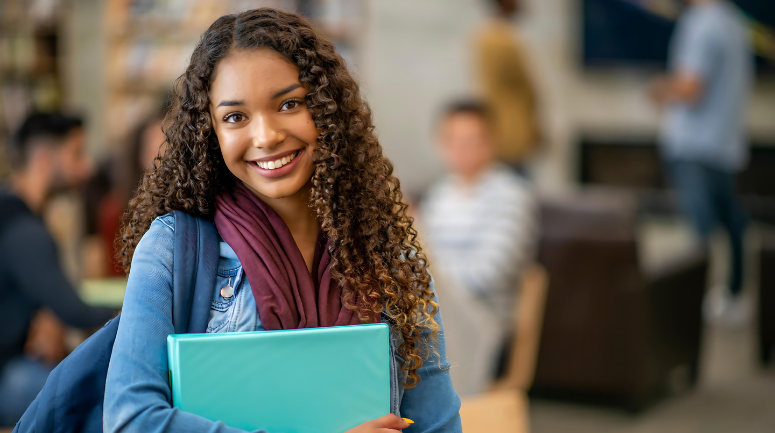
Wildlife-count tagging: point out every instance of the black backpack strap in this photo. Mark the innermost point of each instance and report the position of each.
(195, 263)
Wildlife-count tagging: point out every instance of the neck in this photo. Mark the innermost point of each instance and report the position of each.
(295, 212)
(30, 188)
(470, 179)
(299, 218)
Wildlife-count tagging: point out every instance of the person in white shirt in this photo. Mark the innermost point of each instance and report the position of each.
(479, 225)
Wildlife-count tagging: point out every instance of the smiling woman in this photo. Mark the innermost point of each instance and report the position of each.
(265, 132)
(269, 138)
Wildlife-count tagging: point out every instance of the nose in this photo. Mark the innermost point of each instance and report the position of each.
(266, 134)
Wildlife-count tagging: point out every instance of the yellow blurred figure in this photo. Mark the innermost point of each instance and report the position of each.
(506, 85)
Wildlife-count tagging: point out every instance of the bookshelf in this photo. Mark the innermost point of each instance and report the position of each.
(30, 60)
(114, 60)
(149, 43)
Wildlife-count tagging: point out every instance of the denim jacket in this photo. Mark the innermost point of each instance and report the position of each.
(137, 395)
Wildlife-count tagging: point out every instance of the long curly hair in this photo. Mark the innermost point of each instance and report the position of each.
(354, 194)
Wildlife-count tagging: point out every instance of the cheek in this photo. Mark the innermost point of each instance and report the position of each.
(71, 163)
(459, 153)
(308, 134)
(231, 145)
(313, 146)
(232, 153)
(306, 130)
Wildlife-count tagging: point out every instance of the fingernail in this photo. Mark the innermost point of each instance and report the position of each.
(408, 420)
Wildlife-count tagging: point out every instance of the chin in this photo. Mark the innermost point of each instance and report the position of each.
(277, 191)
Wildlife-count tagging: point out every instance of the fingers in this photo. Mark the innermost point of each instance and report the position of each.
(390, 423)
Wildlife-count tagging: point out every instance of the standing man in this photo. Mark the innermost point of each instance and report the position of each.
(46, 156)
(705, 96)
(505, 81)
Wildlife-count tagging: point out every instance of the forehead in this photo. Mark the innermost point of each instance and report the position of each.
(256, 71)
(464, 119)
(73, 141)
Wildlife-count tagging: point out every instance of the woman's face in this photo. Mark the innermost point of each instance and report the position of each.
(264, 129)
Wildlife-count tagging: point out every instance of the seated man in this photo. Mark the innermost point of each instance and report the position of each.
(479, 224)
(46, 156)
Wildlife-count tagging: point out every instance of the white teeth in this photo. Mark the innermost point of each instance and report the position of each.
(273, 165)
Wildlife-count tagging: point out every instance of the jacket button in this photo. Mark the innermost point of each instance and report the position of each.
(227, 292)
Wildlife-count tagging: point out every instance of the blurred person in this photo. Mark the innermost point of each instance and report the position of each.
(107, 194)
(505, 82)
(705, 95)
(46, 157)
(480, 223)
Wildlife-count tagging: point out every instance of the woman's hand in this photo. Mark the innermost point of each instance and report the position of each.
(387, 424)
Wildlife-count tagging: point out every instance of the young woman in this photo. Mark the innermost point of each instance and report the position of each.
(269, 138)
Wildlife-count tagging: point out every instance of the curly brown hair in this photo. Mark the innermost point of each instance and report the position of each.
(354, 194)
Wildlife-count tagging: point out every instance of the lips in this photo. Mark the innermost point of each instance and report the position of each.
(277, 165)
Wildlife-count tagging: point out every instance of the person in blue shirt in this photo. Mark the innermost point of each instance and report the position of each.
(703, 138)
(269, 138)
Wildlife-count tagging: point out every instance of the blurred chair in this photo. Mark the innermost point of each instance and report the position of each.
(505, 408)
(503, 411)
(614, 333)
(528, 322)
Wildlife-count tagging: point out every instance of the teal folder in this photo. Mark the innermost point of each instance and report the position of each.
(318, 380)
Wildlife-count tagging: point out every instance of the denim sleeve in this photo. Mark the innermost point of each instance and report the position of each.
(137, 395)
(433, 404)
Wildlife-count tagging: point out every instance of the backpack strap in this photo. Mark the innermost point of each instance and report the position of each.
(196, 253)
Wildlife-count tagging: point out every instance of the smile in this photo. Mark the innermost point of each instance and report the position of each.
(278, 165)
(273, 165)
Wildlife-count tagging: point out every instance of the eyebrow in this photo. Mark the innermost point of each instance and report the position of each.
(281, 92)
(230, 103)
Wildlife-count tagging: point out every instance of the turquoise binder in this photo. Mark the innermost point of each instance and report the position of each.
(318, 380)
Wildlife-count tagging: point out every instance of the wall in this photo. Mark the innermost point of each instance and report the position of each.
(414, 60)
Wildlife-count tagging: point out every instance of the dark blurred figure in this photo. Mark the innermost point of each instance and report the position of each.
(480, 222)
(108, 192)
(505, 81)
(46, 157)
(705, 95)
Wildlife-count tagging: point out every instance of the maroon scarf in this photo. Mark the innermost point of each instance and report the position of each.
(286, 294)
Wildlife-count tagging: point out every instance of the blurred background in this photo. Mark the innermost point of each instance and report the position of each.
(616, 319)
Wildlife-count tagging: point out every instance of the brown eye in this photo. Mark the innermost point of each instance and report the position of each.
(233, 118)
(289, 105)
